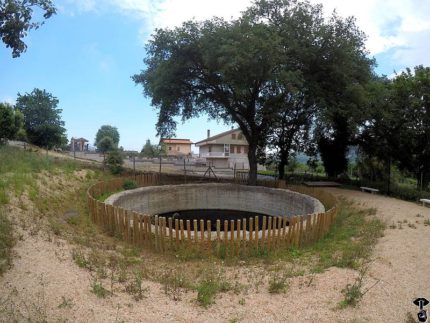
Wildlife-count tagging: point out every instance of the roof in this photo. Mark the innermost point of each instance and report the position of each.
(175, 141)
(218, 135)
(80, 139)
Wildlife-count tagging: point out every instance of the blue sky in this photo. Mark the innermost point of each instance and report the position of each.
(86, 54)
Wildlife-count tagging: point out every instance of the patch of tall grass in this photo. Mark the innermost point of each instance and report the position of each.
(7, 241)
(19, 169)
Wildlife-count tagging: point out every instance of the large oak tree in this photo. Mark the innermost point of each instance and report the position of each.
(245, 70)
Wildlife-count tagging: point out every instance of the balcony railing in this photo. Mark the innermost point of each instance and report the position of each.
(215, 154)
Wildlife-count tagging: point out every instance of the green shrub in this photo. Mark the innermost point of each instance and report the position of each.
(114, 161)
(209, 287)
(278, 284)
(129, 184)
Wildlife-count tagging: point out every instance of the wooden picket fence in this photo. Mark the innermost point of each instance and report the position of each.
(161, 234)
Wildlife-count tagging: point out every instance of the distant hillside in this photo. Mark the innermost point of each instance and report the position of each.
(352, 155)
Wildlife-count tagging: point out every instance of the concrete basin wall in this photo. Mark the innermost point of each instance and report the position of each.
(168, 198)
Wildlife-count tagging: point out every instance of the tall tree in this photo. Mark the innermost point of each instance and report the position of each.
(291, 128)
(235, 71)
(42, 118)
(215, 67)
(105, 144)
(398, 125)
(334, 67)
(380, 130)
(338, 78)
(7, 122)
(148, 150)
(412, 98)
(107, 131)
(16, 20)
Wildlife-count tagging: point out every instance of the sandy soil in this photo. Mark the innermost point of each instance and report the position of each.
(45, 276)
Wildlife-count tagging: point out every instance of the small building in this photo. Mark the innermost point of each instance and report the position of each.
(177, 147)
(225, 150)
(78, 144)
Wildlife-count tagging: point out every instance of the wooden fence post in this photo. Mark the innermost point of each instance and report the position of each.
(156, 232)
(263, 232)
(196, 236)
(177, 233)
(188, 231)
(251, 229)
(171, 232)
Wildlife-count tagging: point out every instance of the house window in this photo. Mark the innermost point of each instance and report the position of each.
(240, 136)
(226, 150)
(210, 149)
(245, 149)
(170, 148)
(179, 148)
(238, 150)
(233, 136)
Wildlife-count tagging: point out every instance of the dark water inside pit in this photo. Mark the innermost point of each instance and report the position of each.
(216, 214)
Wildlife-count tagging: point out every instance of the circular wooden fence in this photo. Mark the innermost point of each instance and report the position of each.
(232, 237)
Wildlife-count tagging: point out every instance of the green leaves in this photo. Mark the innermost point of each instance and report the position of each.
(109, 132)
(16, 21)
(42, 118)
(241, 71)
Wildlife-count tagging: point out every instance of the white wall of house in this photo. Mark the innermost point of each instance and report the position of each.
(238, 155)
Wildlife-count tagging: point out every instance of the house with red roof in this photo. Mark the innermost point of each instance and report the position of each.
(225, 150)
(177, 147)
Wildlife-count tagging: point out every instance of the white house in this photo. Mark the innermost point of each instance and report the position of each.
(225, 150)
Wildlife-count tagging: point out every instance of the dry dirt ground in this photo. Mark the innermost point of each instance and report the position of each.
(45, 283)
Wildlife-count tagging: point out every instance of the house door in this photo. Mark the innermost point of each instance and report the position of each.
(226, 150)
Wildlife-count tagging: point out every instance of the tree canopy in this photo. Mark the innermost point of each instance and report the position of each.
(16, 20)
(244, 71)
(105, 144)
(398, 127)
(42, 118)
(107, 131)
(7, 122)
(148, 149)
(11, 123)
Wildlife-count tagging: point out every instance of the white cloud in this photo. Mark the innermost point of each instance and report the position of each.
(8, 99)
(172, 13)
(398, 25)
(69, 6)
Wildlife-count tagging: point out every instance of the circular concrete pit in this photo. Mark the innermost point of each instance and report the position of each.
(215, 201)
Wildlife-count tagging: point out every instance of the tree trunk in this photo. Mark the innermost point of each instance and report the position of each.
(423, 180)
(281, 169)
(252, 159)
(283, 161)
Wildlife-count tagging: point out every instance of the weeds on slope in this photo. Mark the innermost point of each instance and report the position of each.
(7, 241)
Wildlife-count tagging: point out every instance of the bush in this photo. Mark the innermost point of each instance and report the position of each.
(129, 184)
(114, 162)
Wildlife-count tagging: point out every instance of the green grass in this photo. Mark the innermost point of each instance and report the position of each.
(209, 287)
(278, 283)
(7, 241)
(350, 240)
(98, 289)
(19, 171)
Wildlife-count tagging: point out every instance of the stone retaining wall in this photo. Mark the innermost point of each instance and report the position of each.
(168, 198)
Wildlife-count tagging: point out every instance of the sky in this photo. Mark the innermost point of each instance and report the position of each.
(86, 54)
